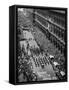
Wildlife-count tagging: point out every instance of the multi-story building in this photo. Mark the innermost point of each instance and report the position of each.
(52, 22)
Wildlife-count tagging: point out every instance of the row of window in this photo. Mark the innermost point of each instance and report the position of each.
(60, 20)
(52, 28)
(43, 21)
(57, 31)
(57, 19)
